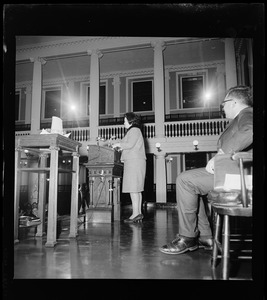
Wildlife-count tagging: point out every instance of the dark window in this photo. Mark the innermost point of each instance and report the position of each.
(52, 103)
(102, 100)
(192, 91)
(17, 105)
(195, 160)
(142, 96)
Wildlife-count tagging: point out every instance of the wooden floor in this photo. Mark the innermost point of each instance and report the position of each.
(117, 251)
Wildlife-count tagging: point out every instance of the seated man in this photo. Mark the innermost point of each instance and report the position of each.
(193, 225)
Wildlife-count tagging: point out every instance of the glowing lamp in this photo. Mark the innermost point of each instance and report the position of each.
(195, 143)
(158, 146)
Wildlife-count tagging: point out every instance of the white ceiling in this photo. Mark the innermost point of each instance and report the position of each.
(176, 54)
(33, 40)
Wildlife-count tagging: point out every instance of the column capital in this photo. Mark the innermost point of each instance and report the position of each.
(54, 148)
(76, 154)
(167, 74)
(95, 52)
(38, 59)
(28, 89)
(43, 155)
(160, 155)
(158, 45)
(116, 80)
(18, 148)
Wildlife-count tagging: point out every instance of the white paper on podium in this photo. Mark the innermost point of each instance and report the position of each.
(44, 131)
(56, 126)
(232, 182)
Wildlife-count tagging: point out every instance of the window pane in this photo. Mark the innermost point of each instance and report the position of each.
(192, 89)
(102, 100)
(142, 96)
(52, 104)
(17, 106)
(195, 160)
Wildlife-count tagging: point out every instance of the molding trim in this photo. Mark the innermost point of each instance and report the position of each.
(79, 46)
(188, 67)
(64, 43)
(139, 72)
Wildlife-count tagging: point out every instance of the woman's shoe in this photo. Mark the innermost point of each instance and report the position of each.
(136, 219)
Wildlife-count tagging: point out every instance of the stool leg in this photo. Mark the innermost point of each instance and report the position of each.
(225, 248)
(216, 241)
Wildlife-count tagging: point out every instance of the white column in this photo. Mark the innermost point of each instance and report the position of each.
(36, 94)
(168, 170)
(28, 104)
(250, 61)
(159, 91)
(161, 182)
(167, 92)
(230, 63)
(94, 93)
(220, 83)
(116, 83)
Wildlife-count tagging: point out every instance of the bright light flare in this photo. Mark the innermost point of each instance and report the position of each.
(207, 96)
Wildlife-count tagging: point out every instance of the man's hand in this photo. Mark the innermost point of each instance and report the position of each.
(210, 164)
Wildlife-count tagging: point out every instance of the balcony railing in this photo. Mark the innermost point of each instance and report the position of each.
(172, 130)
(195, 128)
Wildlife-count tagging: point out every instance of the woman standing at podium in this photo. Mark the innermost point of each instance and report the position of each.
(134, 158)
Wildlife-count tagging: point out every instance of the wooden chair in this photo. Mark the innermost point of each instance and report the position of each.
(224, 205)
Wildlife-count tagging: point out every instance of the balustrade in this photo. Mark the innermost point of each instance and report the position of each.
(172, 130)
(195, 128)
(20, 133)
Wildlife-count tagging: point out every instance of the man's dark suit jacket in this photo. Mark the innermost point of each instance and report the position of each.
(238, 135)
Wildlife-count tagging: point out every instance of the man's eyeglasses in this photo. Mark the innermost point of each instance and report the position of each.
(223, 103)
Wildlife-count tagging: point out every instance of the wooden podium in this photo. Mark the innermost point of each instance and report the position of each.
(105, 173)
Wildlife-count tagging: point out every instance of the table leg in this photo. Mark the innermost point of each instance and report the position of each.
(42, 197)
(74, 196)
(52, 200)
(116, 200)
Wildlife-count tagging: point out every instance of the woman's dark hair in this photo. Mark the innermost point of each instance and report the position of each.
(133, 119)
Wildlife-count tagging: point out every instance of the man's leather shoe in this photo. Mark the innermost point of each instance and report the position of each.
(179, 245)
(205, 243)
